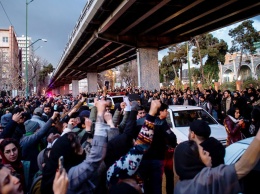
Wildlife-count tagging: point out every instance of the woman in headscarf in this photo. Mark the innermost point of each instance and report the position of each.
(233, 124)
(194, 168)
(11, 158)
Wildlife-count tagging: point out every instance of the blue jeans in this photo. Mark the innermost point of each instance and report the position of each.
(151, 172)
(215, 114)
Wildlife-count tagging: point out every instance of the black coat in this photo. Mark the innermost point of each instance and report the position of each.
(13, 130)
(62, 147)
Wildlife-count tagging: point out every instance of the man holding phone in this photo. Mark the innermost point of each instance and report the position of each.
(81, 176)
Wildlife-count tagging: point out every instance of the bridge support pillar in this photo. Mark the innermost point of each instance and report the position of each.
(148, 68)
(75, 88)
(66, 89)
(92, 82)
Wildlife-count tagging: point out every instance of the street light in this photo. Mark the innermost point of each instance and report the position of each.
(26, 48)
(43, 39)
(26, 65)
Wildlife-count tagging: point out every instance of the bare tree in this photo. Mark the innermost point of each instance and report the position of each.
(110, 76)
(10, 73)
(35, 64)
(128, 73)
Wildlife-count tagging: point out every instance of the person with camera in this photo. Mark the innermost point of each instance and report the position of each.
(233, 124)
(31, 143)
(15, 127)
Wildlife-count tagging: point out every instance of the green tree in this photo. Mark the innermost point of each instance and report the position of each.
(173, 62)
(110, 76)
(209, 48)
(178, 54)
(43, 75)
(243, 37)
(195, 74)
(166, 70)
(44, 72)
(128, 73)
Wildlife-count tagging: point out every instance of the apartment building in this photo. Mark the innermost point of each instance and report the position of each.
(10, 67)
(22, 45)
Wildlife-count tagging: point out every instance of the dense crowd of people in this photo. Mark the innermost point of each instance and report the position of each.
(58, 144)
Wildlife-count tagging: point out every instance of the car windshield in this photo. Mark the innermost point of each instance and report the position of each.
(184, 118)
(118, 99)
(91, 100)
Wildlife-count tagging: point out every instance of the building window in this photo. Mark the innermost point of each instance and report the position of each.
(5, 39)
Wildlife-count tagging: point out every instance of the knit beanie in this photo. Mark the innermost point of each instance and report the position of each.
(200, 128)
(84, 113)
(5, 119)
(31, 126)
(187, 161)
(38, 111)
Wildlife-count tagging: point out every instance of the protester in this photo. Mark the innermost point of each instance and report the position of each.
(8, 183)
(194, 168)
(125, 168)
(88, 152)
(11, 158)
(233, 124)
(31, 143)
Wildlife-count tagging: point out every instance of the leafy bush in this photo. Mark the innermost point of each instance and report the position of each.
(250, 80)
(228, 86)
(177, 83)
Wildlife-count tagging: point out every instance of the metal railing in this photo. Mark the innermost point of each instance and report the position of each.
(75, 30)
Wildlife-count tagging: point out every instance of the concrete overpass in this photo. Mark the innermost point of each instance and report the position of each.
(111, 32)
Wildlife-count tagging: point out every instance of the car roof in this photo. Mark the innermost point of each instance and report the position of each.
(183, 107)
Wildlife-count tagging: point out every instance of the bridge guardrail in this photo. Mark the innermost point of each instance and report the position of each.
(72, 35)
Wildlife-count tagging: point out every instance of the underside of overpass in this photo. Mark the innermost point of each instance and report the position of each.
(119, 28)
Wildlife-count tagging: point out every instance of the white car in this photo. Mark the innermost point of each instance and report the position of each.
(114, 100)
(236, 150)
(233, 153)
(180, 116)
(90, 102)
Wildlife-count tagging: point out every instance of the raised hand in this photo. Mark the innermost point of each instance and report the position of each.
(155, 105)
(17, 116)
(88, 124)
(71, 123)
(52, 137)
(83, 99)
(55, 115)
(60, 183)
(108, 118)
(122, 105)
(101, 107)
(95, 101)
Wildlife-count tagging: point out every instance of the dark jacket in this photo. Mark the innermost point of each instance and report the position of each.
(13, 130)
(30, 147)
(190, 101)
(84, 177)
(163, 137)
(223, 105)
(62, 147)
(233, 130)
(123, 142)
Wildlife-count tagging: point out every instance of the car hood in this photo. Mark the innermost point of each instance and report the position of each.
(218, 131)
